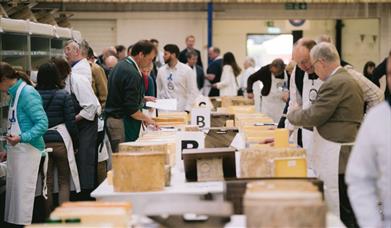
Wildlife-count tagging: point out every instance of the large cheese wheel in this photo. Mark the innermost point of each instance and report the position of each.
(258, 162)
(138, 172)
(284, 203)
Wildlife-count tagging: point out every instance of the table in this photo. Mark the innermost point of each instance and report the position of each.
(180, 198)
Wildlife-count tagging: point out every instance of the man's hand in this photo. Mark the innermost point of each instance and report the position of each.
(210, 77)
(250, 95)
(285, 96)
(149, 98)
(13, 139)
(214, 85)
(78, 118)
(148, 121)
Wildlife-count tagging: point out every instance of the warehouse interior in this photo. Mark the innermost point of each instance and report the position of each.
(195, 113)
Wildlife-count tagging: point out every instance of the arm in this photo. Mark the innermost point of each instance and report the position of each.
(34, 110)
(361, 177)
(191, 85)
(372, 94)
(379, 72)
(322, 109)
(253, 78)
(294, 96)
(69, 118)
(82, 89)
(133, 100)
(101, 86)
(225, 77)
(159, 84)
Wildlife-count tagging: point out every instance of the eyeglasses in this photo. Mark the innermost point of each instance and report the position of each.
(313, 64)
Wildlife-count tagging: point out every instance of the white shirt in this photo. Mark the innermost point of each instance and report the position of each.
(81, 80)
(178, 82)
(244, 77)
(368, 172)
(228, 84)
(295, 99)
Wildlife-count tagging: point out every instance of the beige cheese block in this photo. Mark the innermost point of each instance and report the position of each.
(149, 146)
(191, 128)
(171, 145)
(258, 162)
(257, 145)
(252, 121)
(96, 215)
(241, 109)
(284, 203)
(110, 177)
(138, 172)
(183, 115)
(227, 101)
(256, 137)
(99, 204)
(70, 225)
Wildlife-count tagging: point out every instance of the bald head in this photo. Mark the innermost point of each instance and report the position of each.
(111, 61)
(325, 59)
(301, 54)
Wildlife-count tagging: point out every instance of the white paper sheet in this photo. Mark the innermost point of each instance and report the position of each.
(163, 104)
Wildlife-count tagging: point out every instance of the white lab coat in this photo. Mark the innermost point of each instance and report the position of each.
(228, 84)
(368, 173)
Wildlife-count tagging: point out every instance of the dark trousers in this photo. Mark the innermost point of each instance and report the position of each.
(116, 132)
(87, 156)
(345, 209)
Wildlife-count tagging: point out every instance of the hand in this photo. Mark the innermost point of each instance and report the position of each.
(3, 156)
(210, 77)
(214, 85)
(250, 95)
(148, 121)
(149, 98)
(285, 96)
(13, 139)
(78, 118)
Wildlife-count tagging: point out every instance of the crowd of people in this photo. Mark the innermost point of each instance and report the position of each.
(84, 105)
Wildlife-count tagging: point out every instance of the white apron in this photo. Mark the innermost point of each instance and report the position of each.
(310, 91)
(326, 165)
(272, 104)
(22, 172)
(75, 183)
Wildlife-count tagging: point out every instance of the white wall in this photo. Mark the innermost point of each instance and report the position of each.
(228, 35)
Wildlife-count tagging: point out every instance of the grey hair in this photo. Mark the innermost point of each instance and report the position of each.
(74, 44)
(191, 53)
(325, 51)
(278, 63)
(250, 60)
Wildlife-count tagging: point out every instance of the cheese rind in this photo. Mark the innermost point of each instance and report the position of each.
(284, 203)
(138, 172)
(256, 162)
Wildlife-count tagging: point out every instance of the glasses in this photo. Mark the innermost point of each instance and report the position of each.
(313, 64)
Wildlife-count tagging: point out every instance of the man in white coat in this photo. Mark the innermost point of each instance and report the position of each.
(176, 80)
(368, 172)
(79, 83)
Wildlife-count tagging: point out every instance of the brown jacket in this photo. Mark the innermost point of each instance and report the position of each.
(337, 112)
(99, 83)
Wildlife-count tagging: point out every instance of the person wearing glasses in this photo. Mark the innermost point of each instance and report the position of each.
(87, 109)
(176, 80)
(335, 116)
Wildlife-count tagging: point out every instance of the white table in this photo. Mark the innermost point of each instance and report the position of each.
(177, 199)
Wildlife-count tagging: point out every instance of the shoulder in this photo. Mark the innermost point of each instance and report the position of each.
(184, 66)
(29, 91)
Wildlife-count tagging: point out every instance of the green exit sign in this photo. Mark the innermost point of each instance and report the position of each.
(296, 6)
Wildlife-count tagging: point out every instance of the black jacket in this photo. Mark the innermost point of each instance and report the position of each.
(200, 77)
(59, 109)
(216, 68)
(378, 73)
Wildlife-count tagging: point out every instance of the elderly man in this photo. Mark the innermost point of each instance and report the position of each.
(335, 114)
(368, 173)
(80, 85)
